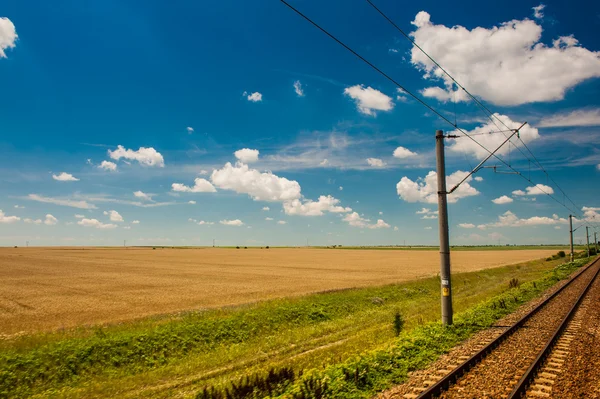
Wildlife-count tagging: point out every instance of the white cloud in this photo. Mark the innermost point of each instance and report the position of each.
(466, 225)
(203, 222)
(268, 219)
(78, 216)
(266, 208)
(31, 221)
(557, 227)
(538, 11)
(375, 162)
(355, 220)
(491, 141)
(428, 228)
(538, 189)
(403, 153)
(200, 186)
(8, 219)
(506, 65)
(50, 220)
(369, 100)
(324, 162)
(427, 213)
(236, 222)
(107, 165)
(203, 172)
(96, 223)
(509, 219)
(591, 214)
(579, 117)
(254, 97)
(60, 201)
(502, 200)
(298, 88)
(425, 189)
(281, 222)
(381, 213)
(8, 35)
(246, 155)
(189, 129)
(341, 188)
(145, 156)
(114, 216)
(478, 178)
(192, 202)
(396, 228)
(65, 177)
(135, 222)
(19, 207)
(314, 208)
(259, 186)
(142, 195)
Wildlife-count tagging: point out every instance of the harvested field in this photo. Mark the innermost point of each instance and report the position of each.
(50, 288)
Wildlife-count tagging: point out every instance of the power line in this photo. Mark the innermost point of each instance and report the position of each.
(418, 99)
(486, 110)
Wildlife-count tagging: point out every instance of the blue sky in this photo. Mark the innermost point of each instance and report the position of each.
(124, 120)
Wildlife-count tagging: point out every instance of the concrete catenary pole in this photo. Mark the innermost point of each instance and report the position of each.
(587, 237)
(571, 236)
(443, 230)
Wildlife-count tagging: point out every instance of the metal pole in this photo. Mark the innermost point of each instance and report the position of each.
(571, 236)
(443, 230)
(587, 237)
(595, 243)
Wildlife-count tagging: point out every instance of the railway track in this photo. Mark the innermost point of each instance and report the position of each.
(523, 360)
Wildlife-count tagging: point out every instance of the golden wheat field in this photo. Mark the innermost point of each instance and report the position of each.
(44, 289)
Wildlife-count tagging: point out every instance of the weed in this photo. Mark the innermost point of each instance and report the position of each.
(398, 323)
(513, 283)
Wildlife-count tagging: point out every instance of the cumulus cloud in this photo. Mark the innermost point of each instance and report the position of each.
(8, 219)
(65, 177)
(8, 35)
(298, 88)
(355, 220)
(506, 64)
(246, 155)
(145, 156)
(369, 100)
(78, 216)
(107, 165)
(200, 186)
(376, 162)
(236, 222)
(281, 222)
(61, 201)
(314, 208)
(425, 189)
(114, 216)
(205, 223)
(266, 208)
(466, 225)
(478, 178)
(502, 200)
(427, 213)
(50, 220)
(135, 222)
(538, 11)
(259, 186)
(509, 219)
(254, 97)
(268, 219)
(192, 202)
(580, 117)
(96, 223)
(491, 141)
(538, 189)
(189, 129)
(142, 195)
(402, 153)
(32, 221)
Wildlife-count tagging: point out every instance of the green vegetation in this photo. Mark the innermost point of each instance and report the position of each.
(329, 342)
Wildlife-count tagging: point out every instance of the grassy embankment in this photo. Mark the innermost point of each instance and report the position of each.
(319, 334)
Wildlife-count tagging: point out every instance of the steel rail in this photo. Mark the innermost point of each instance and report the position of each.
(523, 384)
(443, 384)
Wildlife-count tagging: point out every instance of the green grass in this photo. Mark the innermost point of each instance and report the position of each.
(161, 356)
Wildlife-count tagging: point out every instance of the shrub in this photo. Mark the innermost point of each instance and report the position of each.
(237, 247)
(267, 247)
(561, 254)
(513, 283)
(398, 323)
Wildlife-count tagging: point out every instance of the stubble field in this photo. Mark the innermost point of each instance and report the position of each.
(44, 289)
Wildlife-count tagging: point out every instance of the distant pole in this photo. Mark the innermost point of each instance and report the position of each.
(571, 236)
(587, 237)
(125, 243)
(213, 242)
(443, 230)
(595, 243)
(26, 244)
